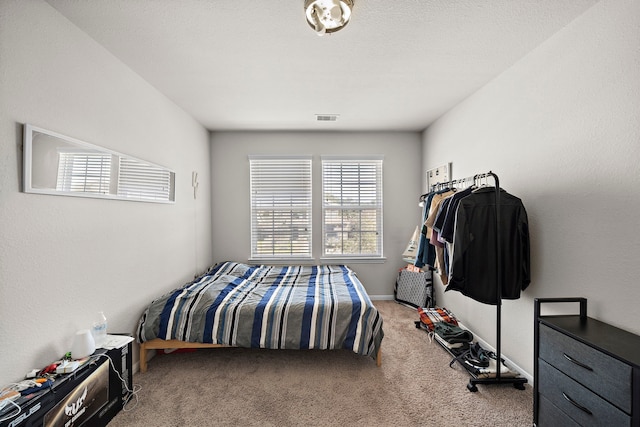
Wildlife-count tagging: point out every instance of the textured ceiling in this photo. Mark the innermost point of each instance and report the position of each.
(257, 65)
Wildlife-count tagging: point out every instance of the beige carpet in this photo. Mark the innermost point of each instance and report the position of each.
(242, 387)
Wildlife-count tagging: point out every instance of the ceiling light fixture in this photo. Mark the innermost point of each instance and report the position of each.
(328, 16)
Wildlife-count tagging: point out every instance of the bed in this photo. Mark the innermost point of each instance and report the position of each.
(321, 307)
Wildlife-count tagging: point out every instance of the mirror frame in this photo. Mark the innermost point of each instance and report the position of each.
(30, 131)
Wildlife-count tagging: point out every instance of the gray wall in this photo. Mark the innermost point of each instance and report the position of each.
(64, 258)
(401, 190)
(561, 130)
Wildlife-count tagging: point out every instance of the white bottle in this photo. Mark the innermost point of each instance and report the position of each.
(99, 329)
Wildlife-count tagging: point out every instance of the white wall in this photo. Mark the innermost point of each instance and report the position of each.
(401, 190)
(561, 130)
(64, 258)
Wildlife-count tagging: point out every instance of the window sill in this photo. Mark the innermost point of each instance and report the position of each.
(282, 261)
(353, 260)
(313, 261)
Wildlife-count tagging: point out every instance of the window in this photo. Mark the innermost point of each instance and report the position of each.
(83, 171)
(351, 207)
(280, 207)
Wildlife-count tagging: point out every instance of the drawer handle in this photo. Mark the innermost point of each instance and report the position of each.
(576, 404)
(572, 360)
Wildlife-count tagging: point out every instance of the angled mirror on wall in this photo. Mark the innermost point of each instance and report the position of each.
(60, 165)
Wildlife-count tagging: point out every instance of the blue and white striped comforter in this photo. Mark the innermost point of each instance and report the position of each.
(277, 307)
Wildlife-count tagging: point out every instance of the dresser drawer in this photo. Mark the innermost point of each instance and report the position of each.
(576, 401)
(603, 374)
(550, 416)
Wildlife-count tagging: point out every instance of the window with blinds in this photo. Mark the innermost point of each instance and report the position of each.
(84, 172)
(351, 207)
(143, 181)
(280, 207)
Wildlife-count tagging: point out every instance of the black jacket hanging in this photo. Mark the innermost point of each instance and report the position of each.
(474, 255)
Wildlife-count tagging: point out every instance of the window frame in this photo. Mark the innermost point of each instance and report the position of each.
(371, 162)
(301, 205)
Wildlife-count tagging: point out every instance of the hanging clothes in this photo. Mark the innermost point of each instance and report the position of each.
(436, 202)
(427, 253)
(473, 254)
(439, 207)
(448, 221)
(422, 256)
(442, 236)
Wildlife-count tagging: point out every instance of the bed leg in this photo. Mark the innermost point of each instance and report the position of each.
(379, 357)
(143, 358)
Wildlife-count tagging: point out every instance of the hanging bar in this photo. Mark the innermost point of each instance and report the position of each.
(448, 184)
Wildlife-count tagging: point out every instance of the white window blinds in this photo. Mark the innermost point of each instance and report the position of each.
(280, 207)
(352, 207)
(140, 180)
(84, 172)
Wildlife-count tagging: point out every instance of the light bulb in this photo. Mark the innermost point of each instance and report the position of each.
(336, 12)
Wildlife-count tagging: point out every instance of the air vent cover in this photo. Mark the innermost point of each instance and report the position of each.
(326, 117)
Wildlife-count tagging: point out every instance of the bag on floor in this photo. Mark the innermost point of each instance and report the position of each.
(414, 289)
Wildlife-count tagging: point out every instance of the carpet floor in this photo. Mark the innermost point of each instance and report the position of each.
(247, 387)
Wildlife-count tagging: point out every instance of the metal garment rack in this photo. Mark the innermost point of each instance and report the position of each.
(462, 183)
(518, 382)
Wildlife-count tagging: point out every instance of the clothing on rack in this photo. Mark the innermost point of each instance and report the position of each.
(458, 240)
(427, 253)
(443, 226)
(436, 203)
(486, 256)
(448, 221)
(437, 206)
(421, 257)
(473, 260)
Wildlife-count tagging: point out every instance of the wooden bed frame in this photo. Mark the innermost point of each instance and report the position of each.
(160, 344)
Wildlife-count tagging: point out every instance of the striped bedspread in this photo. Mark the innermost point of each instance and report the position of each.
(276, 307)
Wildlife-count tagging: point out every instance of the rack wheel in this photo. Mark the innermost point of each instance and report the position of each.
(472, 387)
(519, 386)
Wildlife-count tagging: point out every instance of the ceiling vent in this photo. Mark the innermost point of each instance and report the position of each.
(326, 117)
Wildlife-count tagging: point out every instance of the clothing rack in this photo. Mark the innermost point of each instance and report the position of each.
(518, 382)
(482, 179)
(457, 183)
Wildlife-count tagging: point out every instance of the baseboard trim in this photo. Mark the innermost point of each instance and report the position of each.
(381, 297)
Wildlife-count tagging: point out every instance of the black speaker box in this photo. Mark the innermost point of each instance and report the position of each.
(90, 396)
